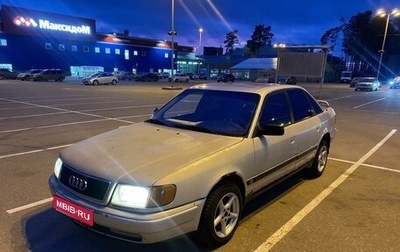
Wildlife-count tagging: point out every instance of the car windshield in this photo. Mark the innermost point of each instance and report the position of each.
(366, 80)
(218, 112)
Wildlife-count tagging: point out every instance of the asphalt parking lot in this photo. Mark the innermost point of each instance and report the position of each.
(354, 206)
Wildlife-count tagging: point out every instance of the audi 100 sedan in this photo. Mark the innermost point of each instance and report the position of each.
(193, 165)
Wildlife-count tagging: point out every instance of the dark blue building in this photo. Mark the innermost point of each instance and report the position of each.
(37, 39)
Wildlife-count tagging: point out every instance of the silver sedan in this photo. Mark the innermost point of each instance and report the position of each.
(194, 164)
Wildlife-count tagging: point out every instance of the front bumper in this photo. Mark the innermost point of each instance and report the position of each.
(136, 227)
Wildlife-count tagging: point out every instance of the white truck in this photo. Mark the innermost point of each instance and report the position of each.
(346, 76)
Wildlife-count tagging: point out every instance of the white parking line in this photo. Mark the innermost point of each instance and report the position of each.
(35, 151)
(31, 205)
(364, 104)
(285, 229)
(64, 110)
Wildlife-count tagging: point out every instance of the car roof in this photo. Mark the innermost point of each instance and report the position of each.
(257, 88)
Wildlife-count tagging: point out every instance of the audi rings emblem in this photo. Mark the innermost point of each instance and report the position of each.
(77, 183)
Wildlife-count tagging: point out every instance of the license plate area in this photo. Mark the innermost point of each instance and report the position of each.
(73, 210)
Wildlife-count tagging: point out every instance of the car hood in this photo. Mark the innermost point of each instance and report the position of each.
(142, 153)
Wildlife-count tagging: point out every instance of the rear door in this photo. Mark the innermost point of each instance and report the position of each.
(307, 123)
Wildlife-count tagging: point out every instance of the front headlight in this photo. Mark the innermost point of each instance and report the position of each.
(57, 167)
(143, 197)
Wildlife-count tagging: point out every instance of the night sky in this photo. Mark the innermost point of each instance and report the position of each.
(292, 21)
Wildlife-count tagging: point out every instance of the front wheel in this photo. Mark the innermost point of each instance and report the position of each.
(221, 215)
(320, 160)
(95, 82)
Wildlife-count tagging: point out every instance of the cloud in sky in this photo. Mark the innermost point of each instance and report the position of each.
(292, 21)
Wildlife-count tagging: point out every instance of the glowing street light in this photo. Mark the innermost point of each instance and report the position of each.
(200, 32)
(382, 13)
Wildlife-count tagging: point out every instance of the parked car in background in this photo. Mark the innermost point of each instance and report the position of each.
(179, 78)
(49, 74)
(354, 81)
(163, 75)
(395, 83)
(25, 76)
(225, 77)
(124, 75)
(6, 73)
(203, 76)
(100, 78)
(291, 80)
(147, 77)
(367, 83)
(194, 164)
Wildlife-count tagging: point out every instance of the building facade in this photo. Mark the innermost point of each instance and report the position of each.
(37, 39)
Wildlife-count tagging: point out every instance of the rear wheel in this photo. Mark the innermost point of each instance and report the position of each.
(320, 160)
(221, 215)
(113, 82)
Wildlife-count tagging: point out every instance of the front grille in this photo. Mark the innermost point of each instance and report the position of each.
(96, 188)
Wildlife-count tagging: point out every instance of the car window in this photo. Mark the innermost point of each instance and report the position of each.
(219, 112)
(301, 105)
(275, 111)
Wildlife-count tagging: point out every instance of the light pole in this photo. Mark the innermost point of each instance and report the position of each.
(382, 13)
(172, 33)
(200, 32)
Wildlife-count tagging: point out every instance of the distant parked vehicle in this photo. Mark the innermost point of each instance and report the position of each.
(225, 77)
(346, 76)
(49, 74)
(367, 83)
(202, 76)
(6, 73)
(122, 75)
(147, 77)
(163, 75)
(100, 78)
(395, 83)
(354, 81)
(25, 76)
(179, 78)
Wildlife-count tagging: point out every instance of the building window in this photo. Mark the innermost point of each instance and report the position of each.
(144, 53)
(97, 49)
(61, 47)
(86, 48)
(135, 53)
(108, 50)
(74, 48)
(3, 42)
(126, 53)
(166, 55)
(47, 46)
(117, 51)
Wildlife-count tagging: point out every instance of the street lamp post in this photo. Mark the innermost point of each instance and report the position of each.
(200, 32)
(172, 36)
(382, 13)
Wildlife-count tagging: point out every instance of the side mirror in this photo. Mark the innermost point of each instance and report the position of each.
(271, 130)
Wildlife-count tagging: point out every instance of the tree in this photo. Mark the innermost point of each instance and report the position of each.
(362, 39)
(231, 41)
(261, 36)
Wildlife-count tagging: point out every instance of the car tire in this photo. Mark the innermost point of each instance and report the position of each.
(221, 214)
(114, 82)
(95, 82)
(320, 160)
